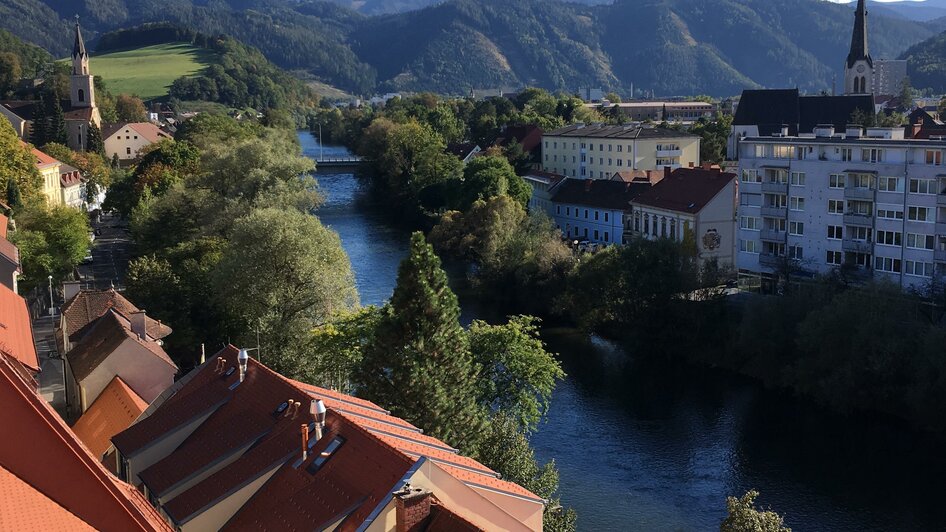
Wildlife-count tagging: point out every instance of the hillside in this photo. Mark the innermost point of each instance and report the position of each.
(926, 63)
(666, 46)
(149, 71)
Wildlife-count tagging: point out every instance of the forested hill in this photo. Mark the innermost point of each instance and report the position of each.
(926, 63)
(669, 46)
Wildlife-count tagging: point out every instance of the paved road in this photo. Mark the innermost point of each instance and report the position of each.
(110, 255)
(51, 383)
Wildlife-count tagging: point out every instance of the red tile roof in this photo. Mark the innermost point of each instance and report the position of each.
(145, 130)
(46, 458)
(114, 410)
(103, 338)
(69, 176)
(3, 225)
(16, 332)
(378, 450)
(686, 189)
(25, 508)
(10, 252)
(42, 160)
(89, 305)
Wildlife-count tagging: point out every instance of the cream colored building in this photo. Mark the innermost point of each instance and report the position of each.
(126, 140)
(600, 151)
(49, 169)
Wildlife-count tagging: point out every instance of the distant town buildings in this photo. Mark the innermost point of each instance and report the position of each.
(659, 111)
(125, 140)
(599, 151)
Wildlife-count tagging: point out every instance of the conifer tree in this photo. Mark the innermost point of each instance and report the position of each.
(40, 123)
(418, 364)
(57, 123)
(94, 142)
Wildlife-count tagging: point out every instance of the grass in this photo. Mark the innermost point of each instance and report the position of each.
(149, 71)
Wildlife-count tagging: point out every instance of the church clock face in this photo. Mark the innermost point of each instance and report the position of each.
(860, 69)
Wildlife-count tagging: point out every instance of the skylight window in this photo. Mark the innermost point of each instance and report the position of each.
(325, 454)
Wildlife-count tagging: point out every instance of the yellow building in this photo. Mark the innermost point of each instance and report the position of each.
(49, 168)
(600, 151)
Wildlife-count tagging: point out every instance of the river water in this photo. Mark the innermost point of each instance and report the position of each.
(644, 448)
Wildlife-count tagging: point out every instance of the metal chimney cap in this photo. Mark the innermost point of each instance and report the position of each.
(319, 407)
(243, 355)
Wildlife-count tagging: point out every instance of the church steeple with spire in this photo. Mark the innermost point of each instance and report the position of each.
(859, 67)
(81, 86)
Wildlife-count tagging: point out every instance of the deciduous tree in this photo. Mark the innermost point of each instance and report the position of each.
(18, 172)
(745, 517)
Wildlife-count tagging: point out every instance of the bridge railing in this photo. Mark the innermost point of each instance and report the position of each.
(339, 159)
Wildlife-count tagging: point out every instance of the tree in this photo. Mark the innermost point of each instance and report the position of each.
(283, 273)
(714, 136)
(612, 97)
(906, 95)
(518, 375)
(18, 174)
(490, 176)
(54, 241)
(92, 165)
(39, 128)
(941, 109)
(419, 363)
(94, 142)
(745, 517)
(57, 123)
(506, 450)
(480, 232)
(10, 72)
(130, 109)
(335, 350)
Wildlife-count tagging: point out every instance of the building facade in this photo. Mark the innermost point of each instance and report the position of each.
(599, 151)
(125, 140)
(889, 75)
(657, 111)
(859, 67)
(874, 203)
(593, 210)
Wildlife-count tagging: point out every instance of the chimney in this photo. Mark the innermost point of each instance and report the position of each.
(667, 172)
(412, 507)
(588, 184)
(707, 166)
(784, 130)
(305, 440)
(317, 410)
(70, 289)
(691, 164)
(139, 322)
(243, 359)
(916, 131)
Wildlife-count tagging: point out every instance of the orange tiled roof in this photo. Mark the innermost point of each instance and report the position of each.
(42, 160)
(26, 508)
(103, 338)
(378, 450)
(89, 305)
(114, 410)
(16, 332)
(146, 130)
(10, 252)
(47, 458)
(3, 225)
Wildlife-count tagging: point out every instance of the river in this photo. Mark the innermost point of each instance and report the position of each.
(653, 449)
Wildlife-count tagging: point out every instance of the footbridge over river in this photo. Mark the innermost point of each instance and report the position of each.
(338, 163)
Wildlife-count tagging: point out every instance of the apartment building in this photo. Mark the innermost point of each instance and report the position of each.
(660, 111)
(875, 202)
(599, 151)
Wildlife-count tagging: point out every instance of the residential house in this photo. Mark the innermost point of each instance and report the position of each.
(115, 409)
(690, 203)
(48, 479)
(49, 168)
(924, 125)
(528, 137)
(10, 267)
(599, 151)
(542, 184)
(593, 209)
(236, 446)
(125, 140)
(659, 111)
(71, 186)
(465, 151)
(16, 335)
(115, 346)
(83, 307)
(783, 112)
(870, 204)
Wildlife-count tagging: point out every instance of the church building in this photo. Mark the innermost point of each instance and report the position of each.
(79, 110)
(859, 68)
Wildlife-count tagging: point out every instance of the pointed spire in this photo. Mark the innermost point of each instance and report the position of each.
(78, 48)
(859, 37)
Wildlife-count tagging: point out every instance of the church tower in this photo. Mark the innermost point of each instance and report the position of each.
(859, 68)
(81, 86)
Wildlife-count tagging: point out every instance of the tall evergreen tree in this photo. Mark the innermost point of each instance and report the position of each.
(39, 130)
(94, 142)
(57, 123)
(419, 363)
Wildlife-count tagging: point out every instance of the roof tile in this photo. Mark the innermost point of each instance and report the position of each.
(114, 410)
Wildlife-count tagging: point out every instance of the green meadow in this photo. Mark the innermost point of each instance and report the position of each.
(149, 71)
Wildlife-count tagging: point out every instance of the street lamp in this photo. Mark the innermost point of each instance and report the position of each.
(52, 306)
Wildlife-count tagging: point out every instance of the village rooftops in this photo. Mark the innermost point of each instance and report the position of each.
(69, 176)
(686, 189)
(43, 161)
(89, 305)
(114, 410)
(16, 332)
(617, 132)
(600, 193)
(48, 479)
(236, 432)
(145, 130)
(770, 109)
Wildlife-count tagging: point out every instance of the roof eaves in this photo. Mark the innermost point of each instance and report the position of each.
(167, 433)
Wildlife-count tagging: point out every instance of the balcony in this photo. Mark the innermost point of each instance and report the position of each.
(772, 235)
(858, 193)
(939, 255)
(772, 261)
(775, 212)
(661, 154)
(775, 188)
(856, 246)
(859, 220)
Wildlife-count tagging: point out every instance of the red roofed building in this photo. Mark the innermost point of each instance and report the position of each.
(700, 202)
(233, 451)
(115, 409)
(16, 333)
(82, 307)
(10, 267)
(125, 140)
(48, 479)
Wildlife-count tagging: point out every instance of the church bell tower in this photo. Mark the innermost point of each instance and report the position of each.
(81, 86)
(859, 67)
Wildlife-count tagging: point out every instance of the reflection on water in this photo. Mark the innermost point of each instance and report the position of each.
(643, 447)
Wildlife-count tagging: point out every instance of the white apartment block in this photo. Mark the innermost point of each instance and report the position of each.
(876, 202)
(599, 151)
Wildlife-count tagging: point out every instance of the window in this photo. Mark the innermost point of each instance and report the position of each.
(325, 454)
(872, 155)
(796, 228)
(610, 161)
(673, 229)
(887, 264)
(835, 207)
(750, 200)
(890, 238)
(923, 186)
(798, 179)
(919, 214)
(583, 146)
(606, 216)
(918, 241)
(834, 257)
(775, 224)
(606, 239)
(889, 214)
(836, 181)
(890, 184)
(620, 147)
(749, 246)
(861, 234)
(600, 147)
(637, 221)
(136, 137)
(127, 150)
(646, 223)
(859, 259)
(779, 201)
(558, 209)
(601, 160)
(759, 150)
(609, 147)
(596, 215)
(596, 234)
(796, 252)
(863, 208)
(620, 162)
(835, 232)
(583, 169)
(750, 176)
(81, 95)
(934, 157)
(846, 154)
(796, 203)
(586, 214)
(749, 222)
(591, 147)
(920, 269)
(586, 233)
(663, 227)
(860, 180)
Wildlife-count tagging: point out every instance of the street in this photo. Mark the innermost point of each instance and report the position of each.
(110, 255)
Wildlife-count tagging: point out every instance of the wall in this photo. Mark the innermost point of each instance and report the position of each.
(217, 515)
(141, 369)
(603, 157)
(569, 217)
(126, 143)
